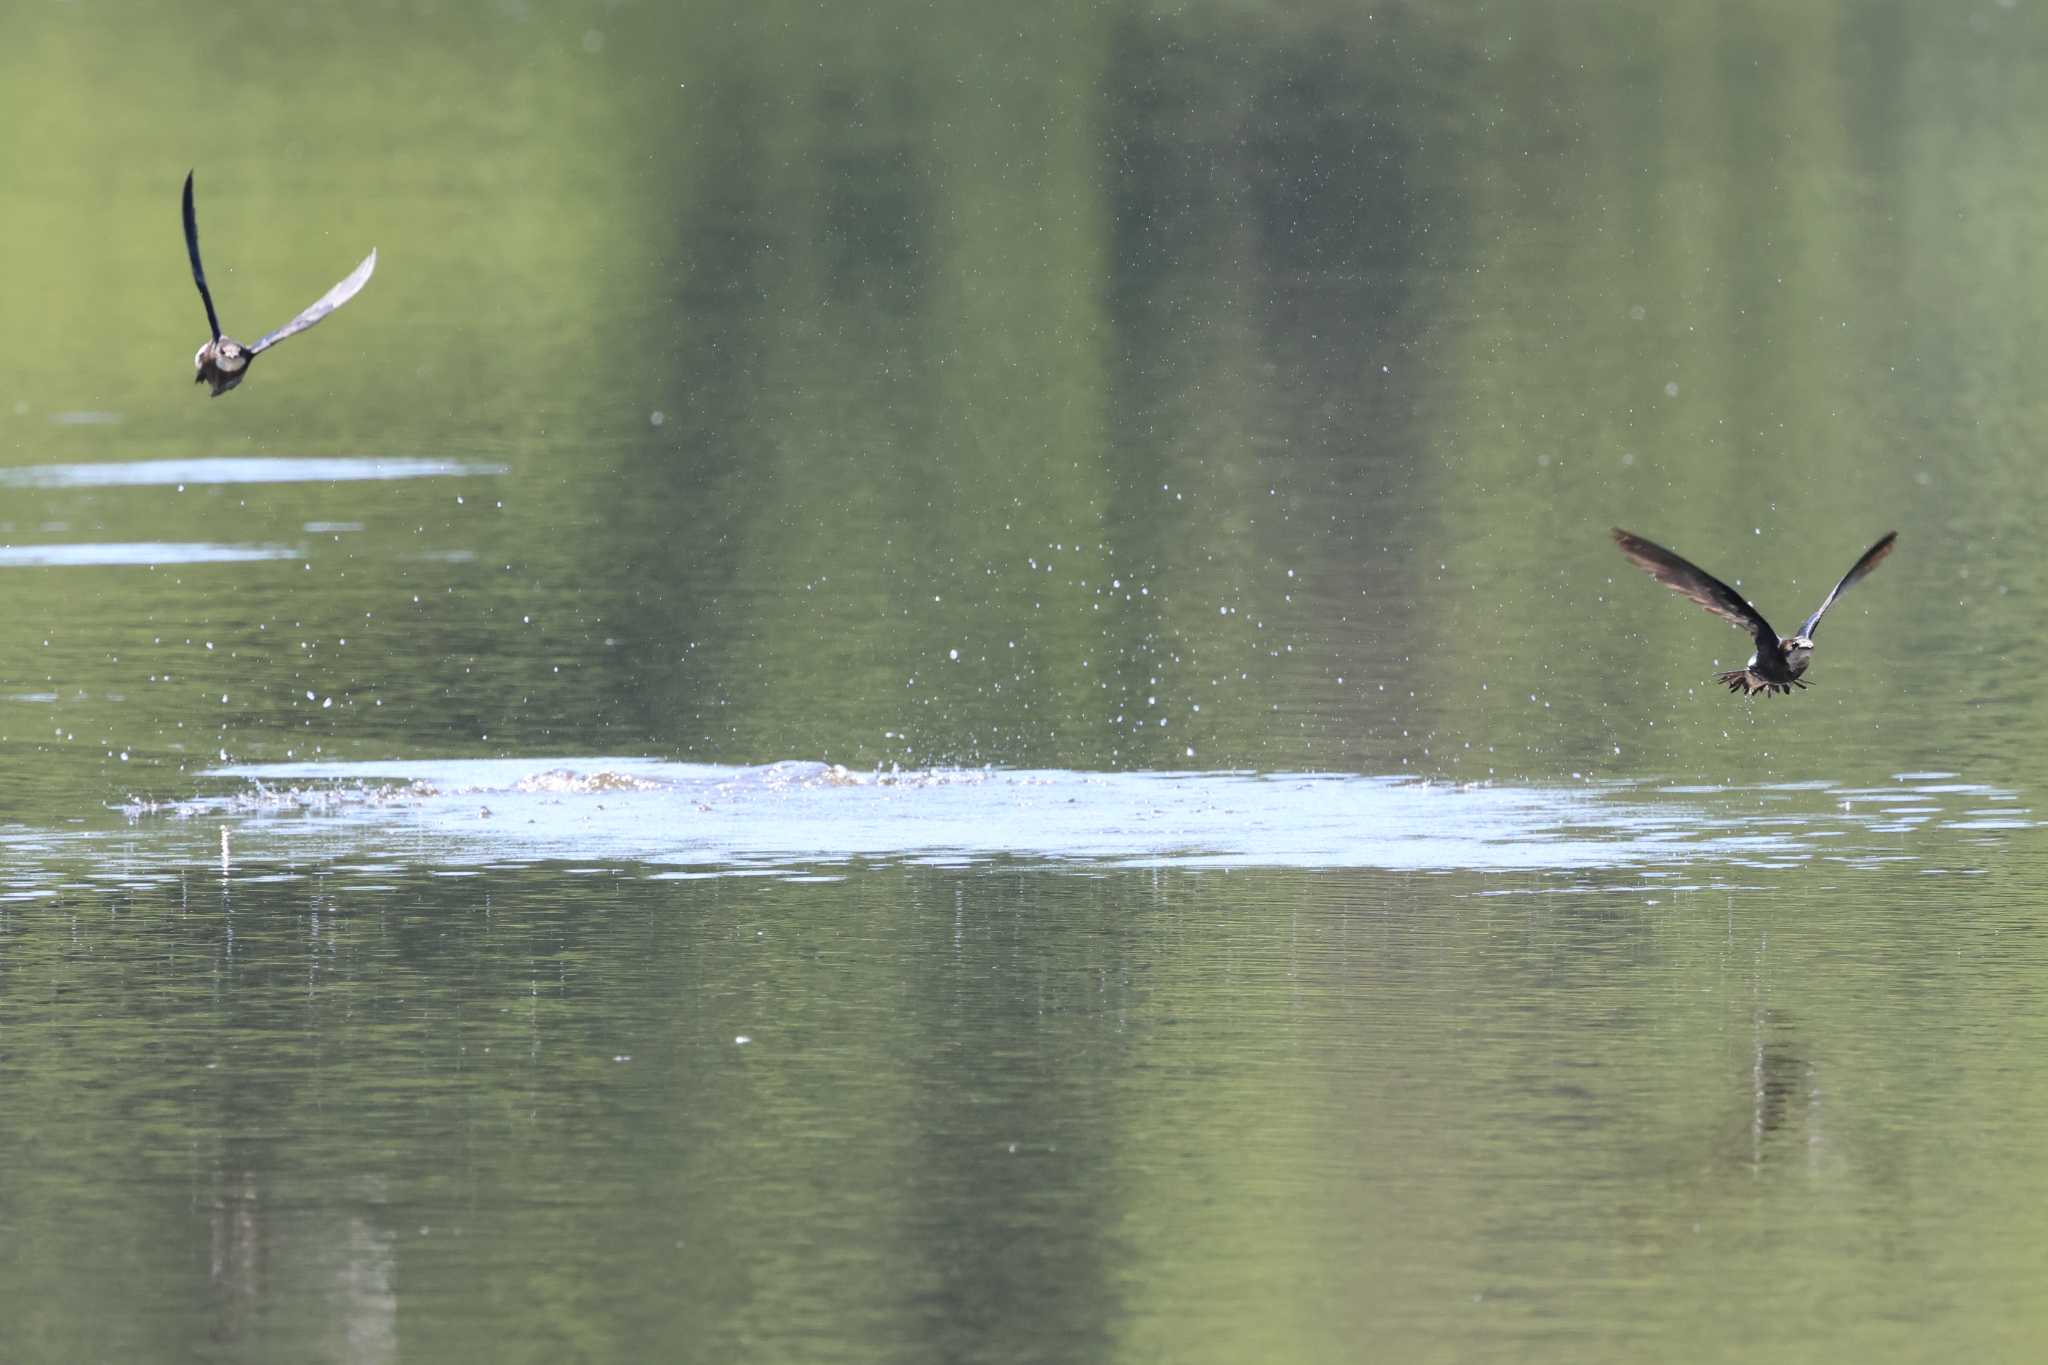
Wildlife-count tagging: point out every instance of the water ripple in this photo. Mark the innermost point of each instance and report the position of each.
(795, 816)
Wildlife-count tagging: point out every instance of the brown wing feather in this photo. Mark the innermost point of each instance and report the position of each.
(1872, 557)
(1695, 584)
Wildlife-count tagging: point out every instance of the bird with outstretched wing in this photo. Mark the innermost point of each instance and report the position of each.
(1779, 664)
(223, 362)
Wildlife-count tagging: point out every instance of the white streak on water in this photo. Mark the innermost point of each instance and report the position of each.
(137, 552)
(217, 470)
(795, 816)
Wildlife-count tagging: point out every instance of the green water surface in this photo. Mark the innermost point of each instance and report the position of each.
(1078, 388)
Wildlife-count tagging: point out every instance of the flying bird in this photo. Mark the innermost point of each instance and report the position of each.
(223, 362)
(1778, 664)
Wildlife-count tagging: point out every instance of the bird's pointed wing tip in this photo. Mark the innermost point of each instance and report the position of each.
(1883, 547)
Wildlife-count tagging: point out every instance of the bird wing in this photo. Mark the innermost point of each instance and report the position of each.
(1872, 557)
(192, 250)
(327, 303)
(1692, 582)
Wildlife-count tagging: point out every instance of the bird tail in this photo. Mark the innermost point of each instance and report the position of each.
(1742, 680)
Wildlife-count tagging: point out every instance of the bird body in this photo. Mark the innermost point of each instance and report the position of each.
(1779, 663)
(220, 363)
(223, 362)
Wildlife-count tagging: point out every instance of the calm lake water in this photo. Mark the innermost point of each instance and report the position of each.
(936, 685)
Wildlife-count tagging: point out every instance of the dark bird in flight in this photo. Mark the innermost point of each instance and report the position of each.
(224, 361)
(1778, 664)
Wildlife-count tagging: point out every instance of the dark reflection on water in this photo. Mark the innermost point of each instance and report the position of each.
(938, 1113)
